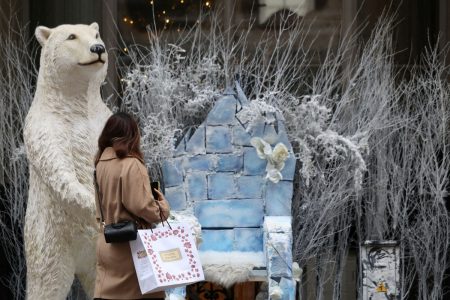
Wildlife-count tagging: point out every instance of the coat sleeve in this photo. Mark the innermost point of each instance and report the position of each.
(136, 195)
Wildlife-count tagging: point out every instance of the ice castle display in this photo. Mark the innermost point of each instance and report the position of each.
(217, 175)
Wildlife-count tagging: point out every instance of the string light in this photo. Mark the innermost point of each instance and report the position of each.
(131, 22)
(125, 19)
(125, 49)
(167, 20)
(151, 2)
(207, 3)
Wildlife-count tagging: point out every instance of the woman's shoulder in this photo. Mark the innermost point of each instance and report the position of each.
(133, 163)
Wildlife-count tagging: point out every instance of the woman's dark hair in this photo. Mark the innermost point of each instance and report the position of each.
(121, 132)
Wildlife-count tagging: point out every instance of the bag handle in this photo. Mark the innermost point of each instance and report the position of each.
(161, 215)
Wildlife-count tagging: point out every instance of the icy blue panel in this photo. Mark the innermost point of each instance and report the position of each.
(181, 147)
(240, 94)
(200, 163)
(172, 173)
(240, 136)
(282, 135)
(288, 171)
(270, 135)
(218, 139)
(176, 197)
(253, 165)
(221, 186)
(196, 144)
(287, 285)
(197, 186)
(229, 163)
(250, 186)
(279, 198)
(230, 213)
(279, 255)
(248, 239)
(257, 130)
(217, 240)
(223, 112)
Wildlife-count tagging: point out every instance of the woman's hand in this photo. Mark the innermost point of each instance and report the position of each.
(160, 195)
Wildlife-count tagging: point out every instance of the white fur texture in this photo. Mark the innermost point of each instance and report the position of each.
(228, 268)
(61, 132)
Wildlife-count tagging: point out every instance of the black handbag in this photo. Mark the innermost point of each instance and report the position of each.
(120, 232)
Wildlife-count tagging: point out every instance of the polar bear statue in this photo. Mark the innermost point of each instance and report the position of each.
(60, 133)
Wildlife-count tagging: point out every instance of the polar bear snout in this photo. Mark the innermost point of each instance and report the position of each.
(98, 48)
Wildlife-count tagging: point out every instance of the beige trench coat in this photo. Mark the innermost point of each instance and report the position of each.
(124, 187)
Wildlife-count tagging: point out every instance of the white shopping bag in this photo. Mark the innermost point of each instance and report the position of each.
(166, 258)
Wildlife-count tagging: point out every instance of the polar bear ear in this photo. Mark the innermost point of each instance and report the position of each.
(42, 33)
(94, 25)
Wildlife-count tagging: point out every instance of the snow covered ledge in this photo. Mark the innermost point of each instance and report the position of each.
(228, 268)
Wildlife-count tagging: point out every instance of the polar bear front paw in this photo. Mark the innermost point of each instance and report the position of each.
(81, 200)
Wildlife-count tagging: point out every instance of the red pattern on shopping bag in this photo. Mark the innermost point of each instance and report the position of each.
(187, 249)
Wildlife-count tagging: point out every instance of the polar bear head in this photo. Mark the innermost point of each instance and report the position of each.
(72, 52)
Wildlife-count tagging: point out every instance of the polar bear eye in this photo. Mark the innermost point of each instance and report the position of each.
(97, 36)
(72, 37)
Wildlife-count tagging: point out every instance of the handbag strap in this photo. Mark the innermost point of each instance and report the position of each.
(99, 196)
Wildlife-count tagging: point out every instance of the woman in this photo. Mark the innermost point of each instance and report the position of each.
(124, 188)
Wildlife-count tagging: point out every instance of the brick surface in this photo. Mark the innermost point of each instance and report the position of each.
(250, 186)
(221, 186)
(223, 112)
(229, 162)
(279, 198)
(230, 213)
(197, 186)
(248, 239)
(173, 173)
(217, 240)
(176, 197)
(196, 144)
(218, 139)
(253, 165)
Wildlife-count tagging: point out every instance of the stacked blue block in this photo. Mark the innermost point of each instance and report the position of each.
(197, 186)
(196, 144)
(278, 198)
(200, 163)
(240, 136)
(230, 213)
(250, 187)
(173, 173)
(221, 186)
(217, 240)
(176, 197)
(253, 165)
(218, 139)
(223, 112)
(229, 162)
(248, 239)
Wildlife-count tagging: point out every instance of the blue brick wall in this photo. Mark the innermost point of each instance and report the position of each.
(218, 173)
(248, 239)
(218, 139)
(197, 186)
(221, 186)
(250, 187)
(223, 112)
(229, 162)
(279, 198)
(196, 144)
(176, 197)
(217, 240)
(230, 213)
(253, 165)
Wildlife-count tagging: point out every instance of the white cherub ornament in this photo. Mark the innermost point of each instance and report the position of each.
(275, 158)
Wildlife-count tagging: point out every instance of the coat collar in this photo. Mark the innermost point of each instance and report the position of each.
(109, 154)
